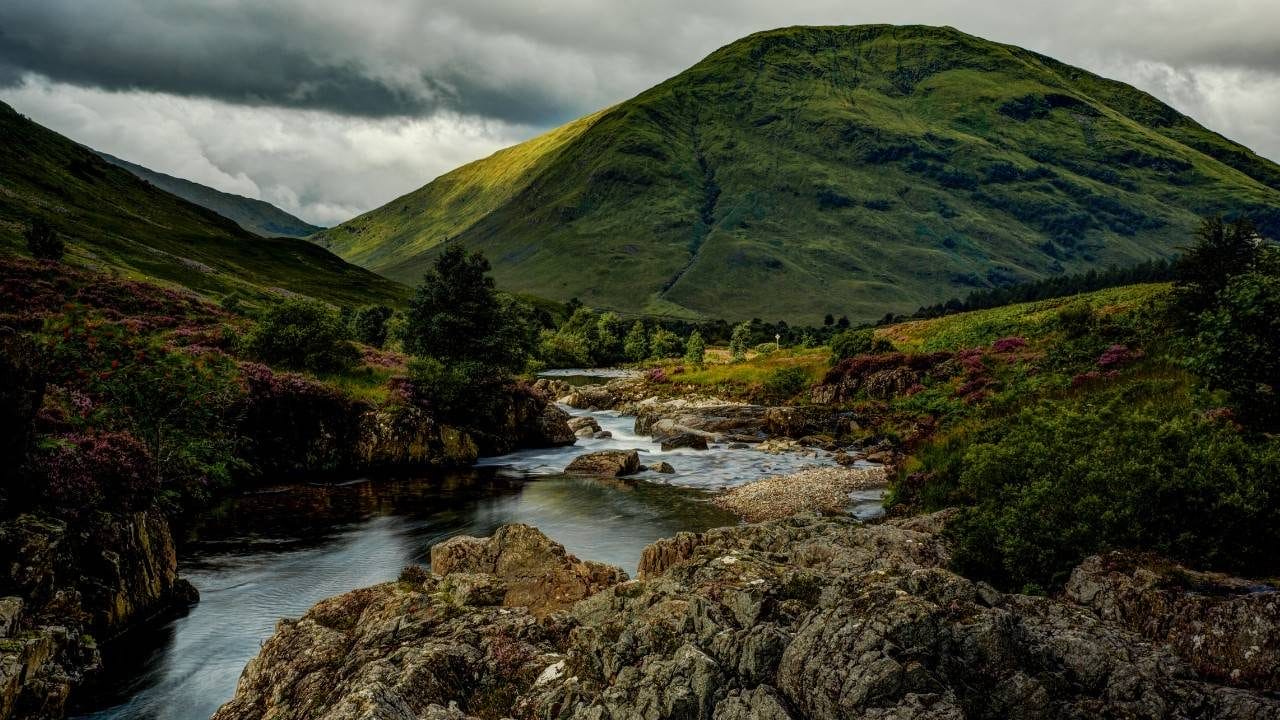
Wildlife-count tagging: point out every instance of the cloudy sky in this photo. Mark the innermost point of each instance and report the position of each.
(328, 108)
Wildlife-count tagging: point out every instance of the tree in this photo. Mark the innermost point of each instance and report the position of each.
(664, 344)
(43, 241)
(457, 316)
(1239, 346)
(636, 345)
(739, 341)
(370, 324)
(610, 329)
(1222, 251)
(843, 322)
(303, 335)
(828, 320)
(695, 350)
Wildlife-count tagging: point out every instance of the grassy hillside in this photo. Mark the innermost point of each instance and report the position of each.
(256, 216)
(114, 221)
(852, 170)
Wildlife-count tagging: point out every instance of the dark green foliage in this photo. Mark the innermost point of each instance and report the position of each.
(456, 316)
(1238, 346)
(785, 383)
(370, 324)
(43, 241)
(851, 343)
(1060, 482)
(458, 391)
(1222, 251)
(303, 335)
(665, 344)
(21, 394)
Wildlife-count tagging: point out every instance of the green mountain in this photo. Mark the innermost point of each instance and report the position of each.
(852, 170)
(256, 216)
(111, 219)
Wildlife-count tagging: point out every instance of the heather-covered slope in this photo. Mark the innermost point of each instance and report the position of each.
(850, 170)
(113, 220)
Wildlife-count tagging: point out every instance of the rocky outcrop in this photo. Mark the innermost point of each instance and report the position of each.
(1226, 628)
(519, 567)
(799, 618)
(67, 584)
(606, 463)
(408, 437)
(690, 440)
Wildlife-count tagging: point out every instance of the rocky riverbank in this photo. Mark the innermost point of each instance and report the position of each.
(800, 618)
(825, 490)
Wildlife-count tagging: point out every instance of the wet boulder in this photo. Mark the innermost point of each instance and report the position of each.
(690, 440)
(608, 463)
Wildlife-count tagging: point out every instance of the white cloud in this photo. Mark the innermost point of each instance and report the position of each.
(322, 167)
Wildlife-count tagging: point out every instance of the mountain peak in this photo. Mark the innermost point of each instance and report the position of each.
(848, 169)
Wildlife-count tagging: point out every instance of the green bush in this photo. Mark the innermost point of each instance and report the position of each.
(1060, 482)
(461, 392)
(1076, 319)
(43, 241)
(785, 383)
(665, 344)
(563, 350)
(369, 324)
(852, 343)
(303, 335)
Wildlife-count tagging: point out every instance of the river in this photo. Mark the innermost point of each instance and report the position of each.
(276, 552)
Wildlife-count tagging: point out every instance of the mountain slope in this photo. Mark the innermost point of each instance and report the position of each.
(256, 216)
(112, 219)
(852, 170)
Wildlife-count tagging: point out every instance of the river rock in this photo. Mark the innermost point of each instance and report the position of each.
(805, 619)
(609, 463)
(664, 468)
(690, 440)
(602, 435)
(584, 423)
(531, 570)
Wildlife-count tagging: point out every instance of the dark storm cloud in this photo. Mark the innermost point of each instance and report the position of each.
(331, 107)
(248, 55)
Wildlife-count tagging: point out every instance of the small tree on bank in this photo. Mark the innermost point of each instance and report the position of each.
(370, 324)
(636, 345)
(739, 341)
(695, 350)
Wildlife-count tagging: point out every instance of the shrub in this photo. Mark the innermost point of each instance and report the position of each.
(99, 470)
(852, 343)
(303, 335)
(665, 344)
(1076, 319)
(369, 324)
(695, 350)
(1063, 482)
(43, 241)
(563, 350)
(785, 383)
(460, 392)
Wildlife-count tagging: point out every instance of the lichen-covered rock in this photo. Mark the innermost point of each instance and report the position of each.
(606, 463)
(1225, 627)
(535, 572)
(803, 618)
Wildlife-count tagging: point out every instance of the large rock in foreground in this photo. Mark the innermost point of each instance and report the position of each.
(606, 463)
(786, 620)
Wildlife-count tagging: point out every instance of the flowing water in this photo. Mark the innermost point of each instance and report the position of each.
(273, 554)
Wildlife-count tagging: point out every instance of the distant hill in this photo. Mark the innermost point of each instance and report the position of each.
(256, 216)
(851, 170)
(114, 220)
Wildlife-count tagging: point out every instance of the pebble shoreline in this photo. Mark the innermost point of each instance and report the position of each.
(819, 489)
